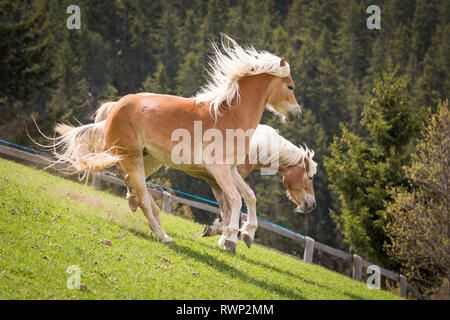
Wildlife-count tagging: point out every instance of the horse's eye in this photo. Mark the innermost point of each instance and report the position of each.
(310, 178)
(290, 87)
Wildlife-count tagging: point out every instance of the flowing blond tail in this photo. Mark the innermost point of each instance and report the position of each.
(103, 112)
(83, 148)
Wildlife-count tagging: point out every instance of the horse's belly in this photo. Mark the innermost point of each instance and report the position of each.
(197, 171)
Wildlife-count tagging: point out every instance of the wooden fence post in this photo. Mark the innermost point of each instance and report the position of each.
(357, 267)
(167, 202)
(403, 286)
(309, 250)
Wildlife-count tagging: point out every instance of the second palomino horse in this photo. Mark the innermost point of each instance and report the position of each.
(139, 133)
(295, 164)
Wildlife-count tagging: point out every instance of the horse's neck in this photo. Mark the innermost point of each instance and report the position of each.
(246, 168)
(288, 153)
(249, 108)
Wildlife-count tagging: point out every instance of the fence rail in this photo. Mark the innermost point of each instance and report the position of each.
(310, 244)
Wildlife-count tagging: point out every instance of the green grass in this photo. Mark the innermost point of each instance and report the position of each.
(48, 223)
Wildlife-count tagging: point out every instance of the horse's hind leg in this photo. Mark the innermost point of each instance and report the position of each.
(134, 166)
(151, 166)
(131, 197)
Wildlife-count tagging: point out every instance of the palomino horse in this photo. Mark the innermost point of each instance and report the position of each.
(295, 165)
(139, 132)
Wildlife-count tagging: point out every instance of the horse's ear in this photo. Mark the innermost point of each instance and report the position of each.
(307, 165)
(282, 62)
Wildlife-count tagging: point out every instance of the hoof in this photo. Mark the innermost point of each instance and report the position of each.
(247, 240)
(132, 204)
(207, 232)
(230, 246)
(129, 195)
(167, 239)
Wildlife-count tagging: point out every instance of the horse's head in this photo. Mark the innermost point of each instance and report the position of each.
(298, 181)
(281, 98)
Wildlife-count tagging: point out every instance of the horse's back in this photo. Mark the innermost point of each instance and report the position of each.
(135, 107)
(152, 100)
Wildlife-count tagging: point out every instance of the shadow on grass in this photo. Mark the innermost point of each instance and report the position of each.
(266, 266)
(276, 269)
(221, 266)
(232, 271)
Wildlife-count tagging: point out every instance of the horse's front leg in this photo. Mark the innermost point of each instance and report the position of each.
(225, 213)
(225, 181)
(249, 228)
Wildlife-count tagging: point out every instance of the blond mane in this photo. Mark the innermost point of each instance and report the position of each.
(289, 154)
(227, 67)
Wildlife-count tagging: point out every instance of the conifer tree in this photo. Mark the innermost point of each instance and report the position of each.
(296, 21)
(237, 25)
(434, 83)
(167, 39)
(158, 82)
(25, 59)
(189, 77)
(361, 169)
(353, 41)
(72, 96)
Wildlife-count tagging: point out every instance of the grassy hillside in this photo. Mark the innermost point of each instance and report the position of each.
(48, 223)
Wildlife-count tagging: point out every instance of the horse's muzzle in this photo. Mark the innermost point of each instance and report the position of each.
(308, 205)
(294, 113)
